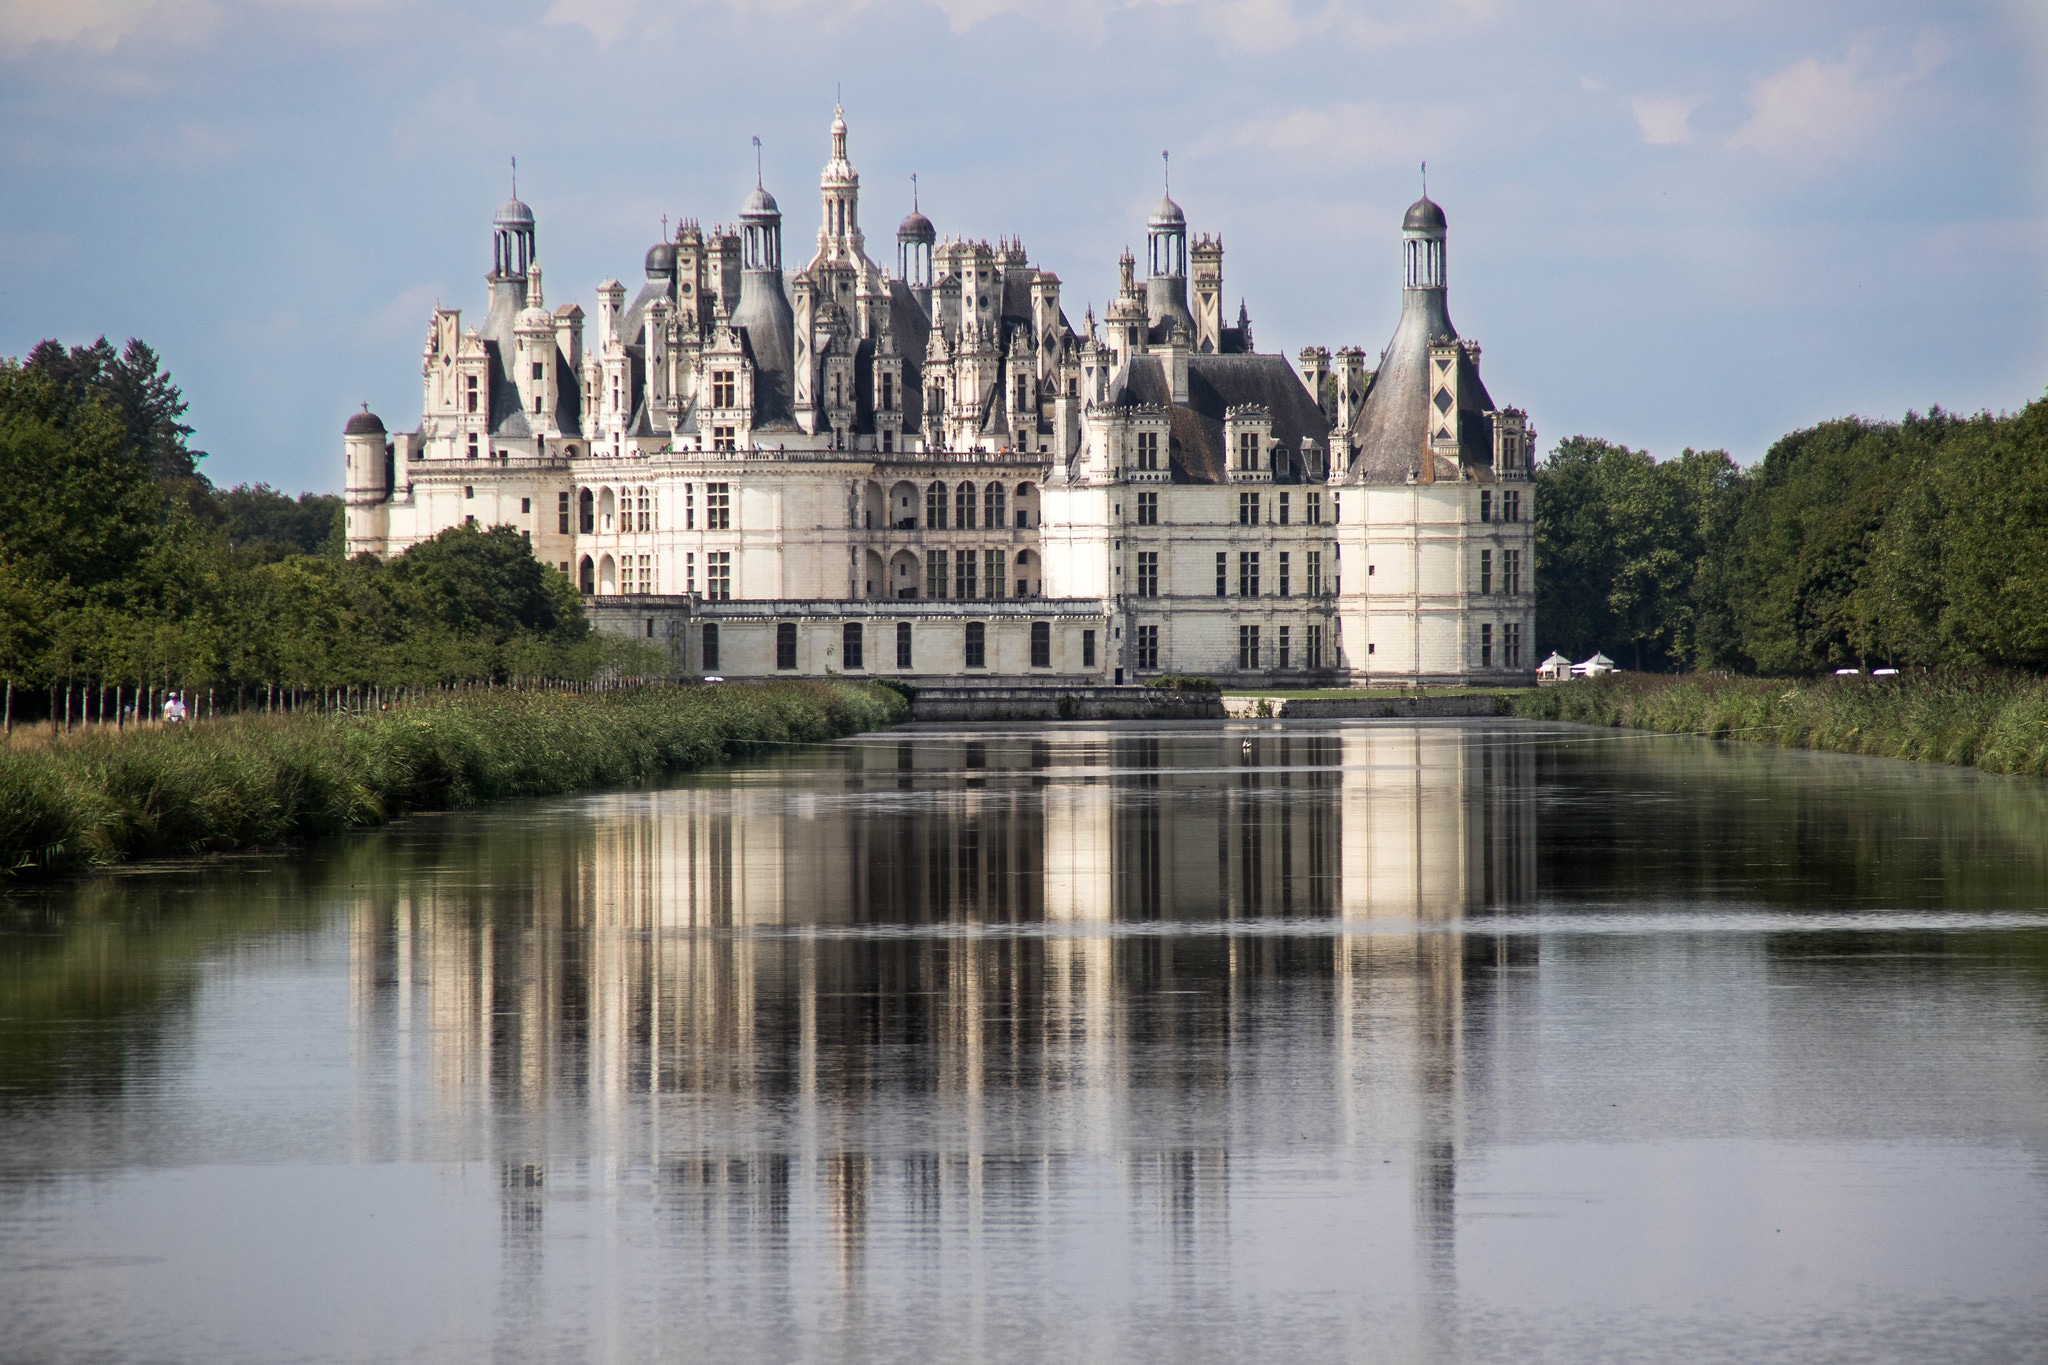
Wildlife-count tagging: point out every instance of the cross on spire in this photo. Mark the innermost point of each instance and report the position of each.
(664, 227)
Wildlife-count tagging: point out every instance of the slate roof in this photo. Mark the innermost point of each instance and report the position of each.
(1393, 426)
(1217, 383)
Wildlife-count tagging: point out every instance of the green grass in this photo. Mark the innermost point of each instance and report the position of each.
(251, 781)
(1990, 720)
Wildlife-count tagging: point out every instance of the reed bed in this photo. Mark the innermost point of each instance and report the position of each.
(252, 780)
(1995, 721)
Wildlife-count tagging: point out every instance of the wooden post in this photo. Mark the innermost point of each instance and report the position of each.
(10, 710)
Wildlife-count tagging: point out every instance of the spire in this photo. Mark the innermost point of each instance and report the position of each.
(838, 133)
(515, 177)
(757, 162)
(1166, 172)
(913, 192)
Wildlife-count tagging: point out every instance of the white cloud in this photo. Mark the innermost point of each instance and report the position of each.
(98, 24)
(605, 19)
(1355, 134)
(1815, 112)
(1664, 122)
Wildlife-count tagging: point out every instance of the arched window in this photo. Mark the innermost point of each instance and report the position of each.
(586, 515)
(977, 645)
(586, 572)
(963, 507)
(992, 513)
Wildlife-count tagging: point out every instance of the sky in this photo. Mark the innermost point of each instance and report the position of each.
(1671, 224)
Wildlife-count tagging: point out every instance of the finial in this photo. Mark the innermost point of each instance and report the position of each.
(1425, 180)
(757, 161)
(515, 177)
(1166, 172)
(664, 227)
(913, 191)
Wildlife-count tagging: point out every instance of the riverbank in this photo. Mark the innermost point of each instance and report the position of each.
(250, 781)
(1994, 721)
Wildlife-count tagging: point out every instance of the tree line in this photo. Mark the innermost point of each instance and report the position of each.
(120, 562)
(1916, 543)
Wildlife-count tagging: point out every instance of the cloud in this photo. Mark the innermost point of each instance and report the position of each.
(1356, 134)
(1816, 112)
(1663, 122)
(96, 24)
(605, 19)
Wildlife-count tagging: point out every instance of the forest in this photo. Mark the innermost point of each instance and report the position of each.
(121, 563)
(1921, 543)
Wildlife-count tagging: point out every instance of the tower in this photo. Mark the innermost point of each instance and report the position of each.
(1208, 259)
(1166, 292)
(915, 236)
(839, 235)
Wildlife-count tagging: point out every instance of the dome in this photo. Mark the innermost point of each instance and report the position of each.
(760, 202)
(515, 214)
(915, 227)
(661, 260)
(1423, 216)
(1168, 214)
(364, 423)
(535, 320)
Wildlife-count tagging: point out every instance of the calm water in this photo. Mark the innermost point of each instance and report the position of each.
(1379, 1041)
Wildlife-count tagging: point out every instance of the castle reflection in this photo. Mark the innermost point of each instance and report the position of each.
(937, 971)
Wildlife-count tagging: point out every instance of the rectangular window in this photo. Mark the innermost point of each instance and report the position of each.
(850, 645)
(718, 507)
(1315, 509)
(1280, 649)
(903, 644)
(724, 439)
(718, 575)
(935, 567)
(1148, 646)
(977, 645)
(1148, 451)
(1148, 509)
(562, 513)
(1041, 644)
(1485, 572)
(1148, 573)
(1247, 648)
(526, 504)
(1247, 450)
(1511, 645)
(472, 408)
(1336, 509)
(1315, 573)
(1283, 509)
(1486, 646)
(472, 445)
(1486, 504)
(690, 572)
(888, 391)
(689, 507)
(1511, 572)
(963, 576)
(1315, 647)
(1283, 577)
(646, 510)
(540, 371)
(935, 507)
(994, 572)
(994, 513)
(963, 507)
(1248, 573)
(710, 648)
(1087, 649)
(1222, 572)
(723, 389)
(888, 441)
(785, 644)
(1511, 504)
(1247, 509)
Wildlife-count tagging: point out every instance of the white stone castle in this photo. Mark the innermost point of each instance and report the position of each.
(933, 474)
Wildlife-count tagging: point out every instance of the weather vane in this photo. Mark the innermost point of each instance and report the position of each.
(757, 161)
(1425, 180)
(515, 177)
(1166, 171)
(913, 191)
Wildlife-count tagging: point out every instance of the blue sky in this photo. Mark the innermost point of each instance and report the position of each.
(1672, 224)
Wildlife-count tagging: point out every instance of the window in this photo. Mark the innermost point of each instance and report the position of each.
(1247, 648)
(977, 645)
(469, 490)
(689, 507)
(723, 389)
(935, 566)
(1280, 649)
(1511, 645)
(718, 507)
(1148, 509)
(963, 507)
(540, 371)
(586, 576)
(1247, 450)
(1148, 646)
(850, 645)
(472, 408)
(1041, 644)
(1486, 504)
(690, 572)
(1485, 572)
(646, 509)
(526, 504)
(1248, 573)
(1315, 509)
(1283, 578)
(903, 644)
(718, 575)
(785, 644)
(1283, 509)
(472, 445)
(646, 579)
(1247, 509)
(710, 647)
(992, 514)
(1148, 451)
(1222, 571)
(1511, 572)
(994, 572)
(935, 507)
(936, 404)
(1023, 392)
(1336, 509)
(1087, 649)
(888, 441)
(1511, 504)
(1315, 573)
(562, 513)
(1486, 646)
(963, 576)
(1315, 646)
(724, 440)
(888, 391)
(1148, 573)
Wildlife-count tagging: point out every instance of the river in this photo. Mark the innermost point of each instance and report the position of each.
(1389, 1041)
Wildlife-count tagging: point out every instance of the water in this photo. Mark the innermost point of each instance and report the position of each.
(1381, 1041)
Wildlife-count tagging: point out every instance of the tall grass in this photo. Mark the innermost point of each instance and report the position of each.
(1991, 720)
(249, 781)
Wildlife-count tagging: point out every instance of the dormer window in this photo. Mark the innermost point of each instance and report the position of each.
(722, 389)
(1247, 450)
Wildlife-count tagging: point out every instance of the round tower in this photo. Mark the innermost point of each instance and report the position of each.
(368, 475)
(915, 237)
(1166, 292)
(1422, 245)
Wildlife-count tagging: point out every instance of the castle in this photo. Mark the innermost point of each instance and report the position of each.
(932, 473)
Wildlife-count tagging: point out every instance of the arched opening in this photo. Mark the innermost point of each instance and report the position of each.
(903, 506)
(1025, 565)
(607, 575)
(1027, 507)
(586, 515)
(607, 509)
(874, 507)
(877, 575)
(902, 580)
(586, 573)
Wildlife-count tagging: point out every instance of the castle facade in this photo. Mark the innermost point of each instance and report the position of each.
(930, 472)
